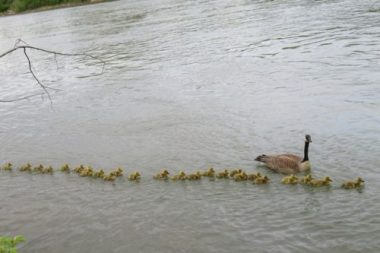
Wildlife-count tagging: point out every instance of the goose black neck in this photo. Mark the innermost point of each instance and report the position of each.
(306, 152)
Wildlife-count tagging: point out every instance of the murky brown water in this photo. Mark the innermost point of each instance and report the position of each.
(191, 84)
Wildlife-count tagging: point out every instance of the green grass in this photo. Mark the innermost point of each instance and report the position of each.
(24, 5)
(8, 244)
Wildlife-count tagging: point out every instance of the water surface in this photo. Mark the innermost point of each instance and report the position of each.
(187, 85)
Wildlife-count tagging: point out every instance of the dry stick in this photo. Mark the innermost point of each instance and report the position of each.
(44, 87)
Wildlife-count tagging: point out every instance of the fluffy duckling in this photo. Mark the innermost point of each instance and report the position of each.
(108, 178)
(261, 180)
(65, 168)
(291, 179)
(48, 170)
(87, 172)
(8, 166)
(306, 179)
(235, 171)
(180, 176)
(323, 182)
(135, 176)
(39, 168)
(117, 173)
(353, 184)
(253, 176)
(79, 169)
(26, 167)
(241, 177)
(209, 172)
(99, 174)
(223, 174)
(195, 176)
(163, 175)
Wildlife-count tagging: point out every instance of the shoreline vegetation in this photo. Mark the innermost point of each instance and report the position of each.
(13, 7)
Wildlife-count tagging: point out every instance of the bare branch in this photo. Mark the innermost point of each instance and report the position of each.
(20, 44)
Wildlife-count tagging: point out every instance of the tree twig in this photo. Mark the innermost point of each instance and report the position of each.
(45, 88)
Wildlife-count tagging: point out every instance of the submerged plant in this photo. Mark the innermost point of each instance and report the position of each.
(8, 244)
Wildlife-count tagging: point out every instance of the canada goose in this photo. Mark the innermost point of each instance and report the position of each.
(210, 172)
(353, 184)
(288, 163)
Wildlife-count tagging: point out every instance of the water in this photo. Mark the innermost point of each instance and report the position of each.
(191, 84)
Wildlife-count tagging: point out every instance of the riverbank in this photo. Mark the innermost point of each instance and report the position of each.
(74, 3)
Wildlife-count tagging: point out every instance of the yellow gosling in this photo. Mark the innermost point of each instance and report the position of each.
(261, 180)
(194, 176)
(306, 179)
(323, 182)
(99, 174)
(118, 172)
(291, 179)
(39, 168)
(87, 172)
(163, 175)
(65, 168)
(180, 176)
(223, 174)
(252, 177)
(79, 169)
(109, 178)
(26, 167)
(241, 177)
(48, 170)
(236, 171)
(135, 176)
(353, 184)
(8, 166)
(209, 172)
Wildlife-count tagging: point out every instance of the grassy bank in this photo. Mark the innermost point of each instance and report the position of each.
(18, 6)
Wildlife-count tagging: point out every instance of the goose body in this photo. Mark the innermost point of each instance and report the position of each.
(288, 163)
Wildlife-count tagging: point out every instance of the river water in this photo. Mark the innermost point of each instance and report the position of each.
(187, 85)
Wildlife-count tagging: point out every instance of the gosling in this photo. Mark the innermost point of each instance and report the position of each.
(291, 179)
(306, 179)
(26, 167)
(323, 182)
(223, 174)
(194, 176)
(353, 184)
(135, 176)
(8, 166)
(65, 168)
(261, 180)
(180, 176)
(252, 177)
(241, 177)
(163, 175)
(209, 173)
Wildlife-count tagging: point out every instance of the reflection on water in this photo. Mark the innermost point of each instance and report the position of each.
(189, 84)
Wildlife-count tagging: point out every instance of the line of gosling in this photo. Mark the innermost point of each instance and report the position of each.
(326, 181)
(235, 174)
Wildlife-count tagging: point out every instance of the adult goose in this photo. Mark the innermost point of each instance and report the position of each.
(288, 163)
